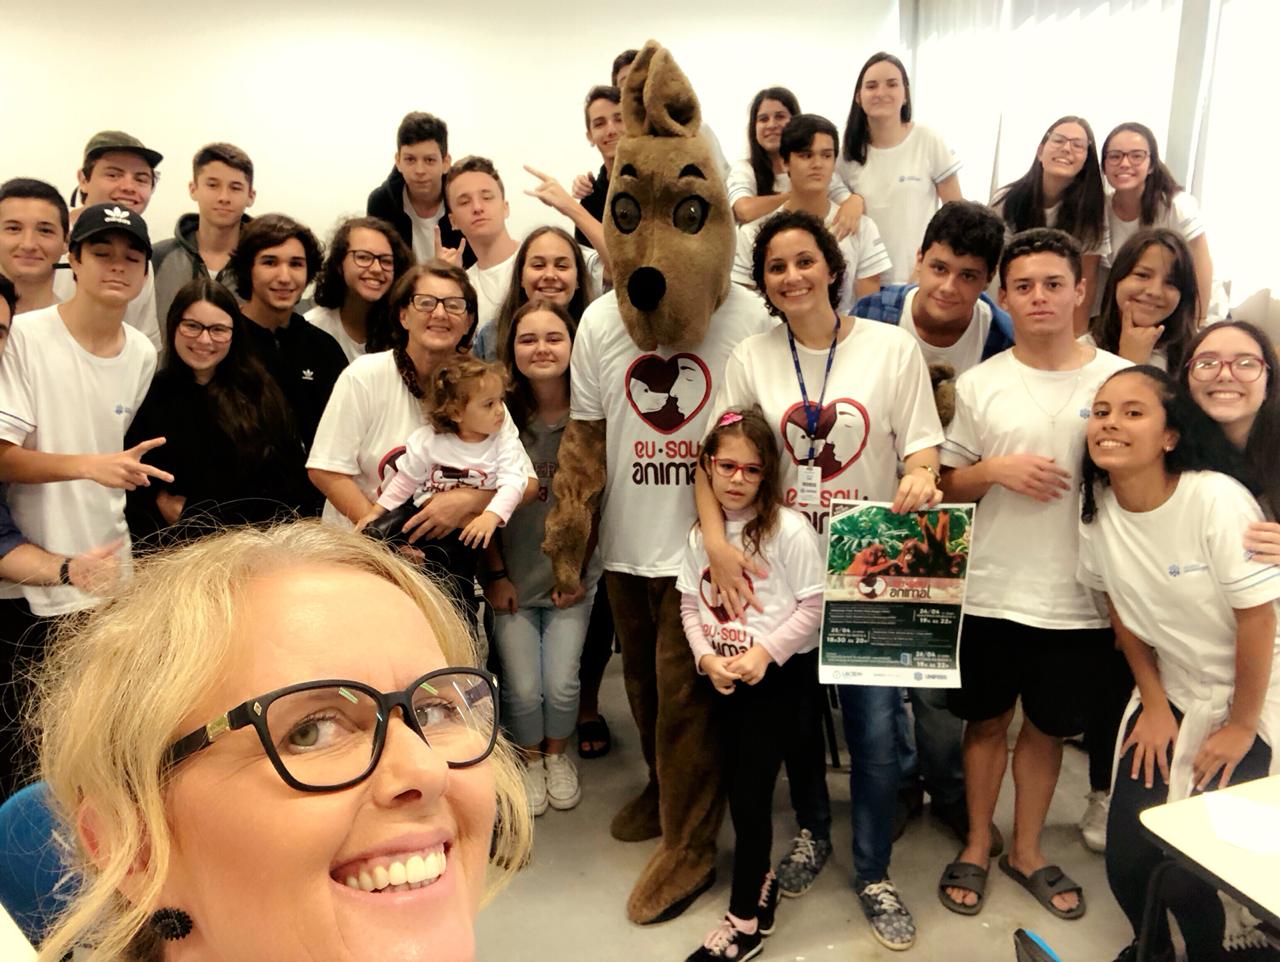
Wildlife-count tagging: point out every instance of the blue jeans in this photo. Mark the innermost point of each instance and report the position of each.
(870, 717)
(540, 650)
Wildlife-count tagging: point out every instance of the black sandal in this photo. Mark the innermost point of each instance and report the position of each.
(967, 876)
(591, 732)
(1044, 884)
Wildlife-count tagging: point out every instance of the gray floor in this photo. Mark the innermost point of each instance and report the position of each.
(569, 904)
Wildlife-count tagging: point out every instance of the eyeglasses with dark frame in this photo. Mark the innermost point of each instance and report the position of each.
(366, 258)
(218, 333)
(1245, 368)
(1113, 157)
(327, 735)
(426, 303)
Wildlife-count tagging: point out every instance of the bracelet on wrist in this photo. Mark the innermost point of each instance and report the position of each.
(937, 478)
(487, 578)
(64, 572)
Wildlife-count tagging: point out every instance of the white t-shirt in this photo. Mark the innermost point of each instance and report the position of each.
(1182, 215)
(434, 461)
(797, 569)
(742, 183)
(964, 353)
(57, 397)
(1102, 247)
(864, 255)
(491, 286)
(141, 312)
(1023, 560)
(900, 188)
(878, 409)
(1175, 575)
(362, 434)
(1158, 356)
(424, 229)
(657, 404)
(330, 321)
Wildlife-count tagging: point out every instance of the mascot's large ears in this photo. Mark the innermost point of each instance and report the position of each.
(668, 225)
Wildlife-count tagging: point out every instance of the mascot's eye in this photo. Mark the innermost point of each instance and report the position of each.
(690, 214)
(626, 213)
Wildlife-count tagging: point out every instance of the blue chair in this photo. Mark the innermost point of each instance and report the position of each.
(34, 880)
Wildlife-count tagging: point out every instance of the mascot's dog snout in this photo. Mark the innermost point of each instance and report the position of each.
(646, 288)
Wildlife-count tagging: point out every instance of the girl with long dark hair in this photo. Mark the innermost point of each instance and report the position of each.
(1196, 619)
(1146, 194)
(902, 170)
(1063, 189)
(231, 444)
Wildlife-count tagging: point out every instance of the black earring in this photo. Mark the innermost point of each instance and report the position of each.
(171, 924)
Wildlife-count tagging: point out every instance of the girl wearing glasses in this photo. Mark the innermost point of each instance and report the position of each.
(1231, 375)
(352, 821)
(766, 665)
(1145, 194)
(1063, 189)
(230, 442)
(1148, 311)
(550, 266)
(377, 403)
(1196, 619)
(365, 258)
(846, 398)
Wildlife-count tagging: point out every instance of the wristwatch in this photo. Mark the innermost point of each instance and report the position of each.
(64, 573)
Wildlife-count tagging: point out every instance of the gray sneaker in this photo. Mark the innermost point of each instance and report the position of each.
(891, 923)
(798, 871)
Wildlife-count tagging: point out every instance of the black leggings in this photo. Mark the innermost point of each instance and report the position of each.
(1132, 857)
(758, 724)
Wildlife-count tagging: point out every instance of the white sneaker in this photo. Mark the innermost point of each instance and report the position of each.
(1093, 824)
(535, 785)
(563, 789)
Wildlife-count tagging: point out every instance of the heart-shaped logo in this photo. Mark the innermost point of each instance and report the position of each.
(668, 392)
(838, 441)
(711, 597)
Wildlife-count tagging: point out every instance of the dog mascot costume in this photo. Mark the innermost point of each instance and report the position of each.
(647, 360)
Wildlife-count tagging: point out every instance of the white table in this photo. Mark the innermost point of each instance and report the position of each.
(14, 946)
(1184, 831)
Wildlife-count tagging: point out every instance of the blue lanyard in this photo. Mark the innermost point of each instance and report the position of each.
(812, 413)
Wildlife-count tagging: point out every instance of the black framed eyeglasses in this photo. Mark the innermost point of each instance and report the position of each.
(327, 735)
(366, 258)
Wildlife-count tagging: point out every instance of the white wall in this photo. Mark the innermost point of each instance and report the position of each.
(314, 93)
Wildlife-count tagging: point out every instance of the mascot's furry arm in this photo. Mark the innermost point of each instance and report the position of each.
(578, 483)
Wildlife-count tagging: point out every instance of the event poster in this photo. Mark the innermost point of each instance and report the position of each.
(894, 596)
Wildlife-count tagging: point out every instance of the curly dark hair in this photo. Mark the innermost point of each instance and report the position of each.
(331, 286)
(1180, 325)
(749, 423)
(271, 230)
(857, 132)
(827, 245)
(1160, 185)
(520, 402)
(761, 164)
(1201, 445)
(969, 229)
(1041, 240)
(1262, 449)
(1083, 212)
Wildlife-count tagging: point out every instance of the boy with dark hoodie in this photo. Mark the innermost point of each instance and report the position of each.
(222, 187)
(412, 197)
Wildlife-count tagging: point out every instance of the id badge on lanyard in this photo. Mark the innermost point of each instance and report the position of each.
(809, 475)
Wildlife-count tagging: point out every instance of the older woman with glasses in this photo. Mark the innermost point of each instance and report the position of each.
(378, 402)
(231, 443)
(349, 806)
